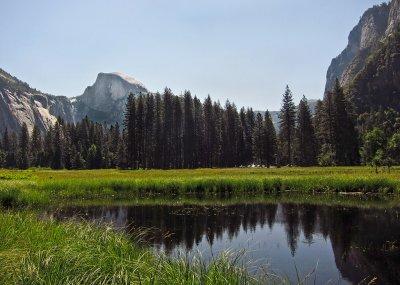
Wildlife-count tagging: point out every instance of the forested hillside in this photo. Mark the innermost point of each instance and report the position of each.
(168, 131)
(377, 86)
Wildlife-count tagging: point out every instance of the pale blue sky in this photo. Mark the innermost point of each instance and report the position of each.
(242, 50)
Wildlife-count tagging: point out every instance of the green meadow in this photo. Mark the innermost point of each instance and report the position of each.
(42, 186)
(45, 251)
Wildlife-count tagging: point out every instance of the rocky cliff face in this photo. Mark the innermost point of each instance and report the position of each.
(394, 17)
(377, 85)
(104, 101)
(20, 104)
(375, 25)
(362, 39)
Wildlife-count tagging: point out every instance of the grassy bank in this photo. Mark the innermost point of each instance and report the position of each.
(35, 186)
(36, 251)
(324, 199)
(46, 252)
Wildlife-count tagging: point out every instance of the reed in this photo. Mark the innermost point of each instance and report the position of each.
(35, 251)
(43, 186)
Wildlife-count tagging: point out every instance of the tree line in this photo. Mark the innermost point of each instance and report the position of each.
(165, 131)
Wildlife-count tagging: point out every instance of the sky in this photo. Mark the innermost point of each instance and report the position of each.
(246, 51)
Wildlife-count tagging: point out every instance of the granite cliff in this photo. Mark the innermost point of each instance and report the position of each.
(377, 24)
(19, 103)
(104, 101)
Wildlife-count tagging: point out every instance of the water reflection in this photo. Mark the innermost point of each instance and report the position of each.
(350, 245)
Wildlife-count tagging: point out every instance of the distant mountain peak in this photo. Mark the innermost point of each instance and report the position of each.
(127, 78)
(115, 84)
(104, 101)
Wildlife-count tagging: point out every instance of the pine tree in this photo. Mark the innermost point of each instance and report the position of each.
(36, 148)
(198, 117)
(158, 133)
(122, 152)
(248, 126)
(150, 139)
(209, 132)
(130, 126)
(305, 147)
(336, 132)
(242, 139)
(327, 131)
(230, 135)
(84, 135)
(57, 159)
(94, 157)
(140, 130)
(287, 121)
(48, 151)
(218, 145)
(23, 148)
(258, 140)
(68, 147)
(112, 143)
(188, 131)
(77, 159)
(317, 124)
(177, 136)
(270, 141)
(167, 128)
(347, 152)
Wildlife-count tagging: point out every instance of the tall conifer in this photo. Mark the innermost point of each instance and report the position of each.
(287, 121)
(305, 147)
(130, 127)
(23, 148)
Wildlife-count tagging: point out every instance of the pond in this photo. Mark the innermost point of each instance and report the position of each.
(336, 244)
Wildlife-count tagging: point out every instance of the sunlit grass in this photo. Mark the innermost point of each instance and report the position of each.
(43, 186)
(34, 251)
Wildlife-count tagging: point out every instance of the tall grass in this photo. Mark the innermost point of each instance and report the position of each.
(46, 252)
(21, 193)
(35, 186)
(325, 199)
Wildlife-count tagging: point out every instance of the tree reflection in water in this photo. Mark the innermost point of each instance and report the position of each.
(363, 243)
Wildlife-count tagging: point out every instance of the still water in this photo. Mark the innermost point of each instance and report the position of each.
(343, 245)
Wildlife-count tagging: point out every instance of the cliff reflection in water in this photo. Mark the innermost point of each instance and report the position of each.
(360, 243)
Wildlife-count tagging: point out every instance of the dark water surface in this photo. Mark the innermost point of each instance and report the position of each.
(344, 245)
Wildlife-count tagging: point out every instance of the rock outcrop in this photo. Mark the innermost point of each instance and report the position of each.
(375, 25)
(377, 85)
(104, 101)
(20, 104)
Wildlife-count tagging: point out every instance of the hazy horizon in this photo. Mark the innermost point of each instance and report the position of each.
(244, 51)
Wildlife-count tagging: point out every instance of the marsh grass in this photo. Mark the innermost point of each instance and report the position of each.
(34, 251)
(21, 193)
(43, 186)
(376, 201)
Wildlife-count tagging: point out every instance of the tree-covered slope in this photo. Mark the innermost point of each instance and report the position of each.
(377, 85)
(375, 26)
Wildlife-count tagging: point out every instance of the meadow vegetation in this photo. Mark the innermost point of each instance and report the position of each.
(45, 251)
(36, 251)
(42, 186)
